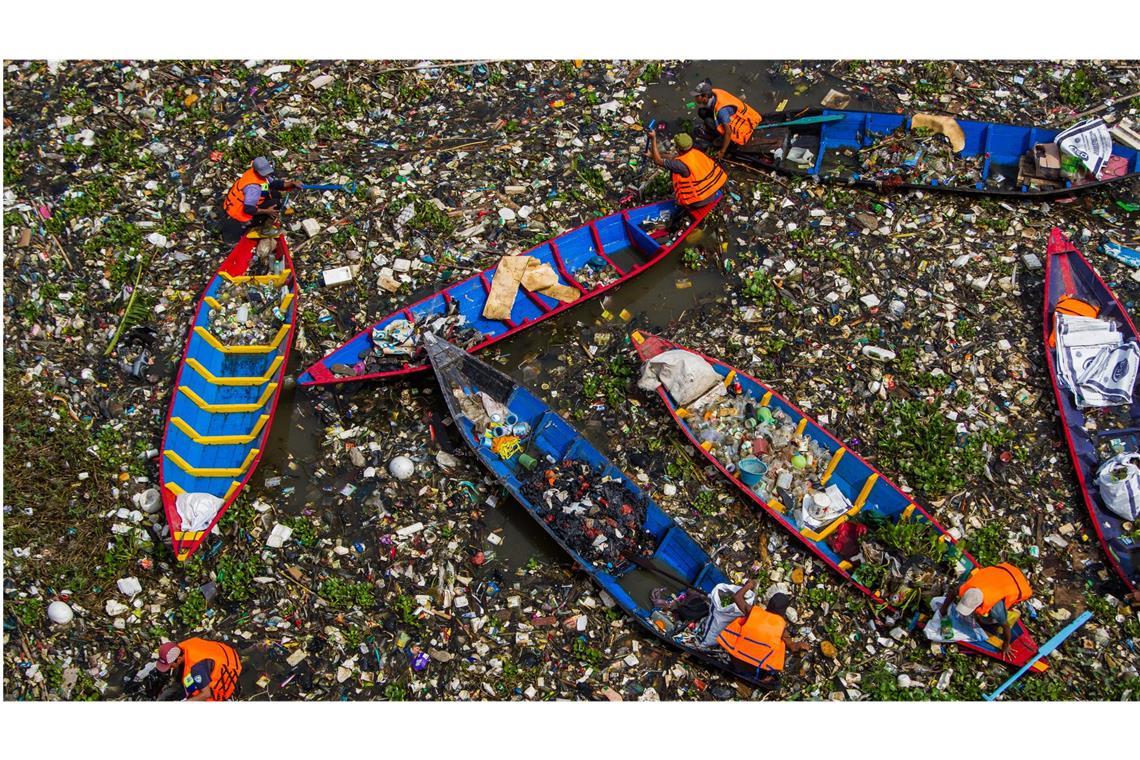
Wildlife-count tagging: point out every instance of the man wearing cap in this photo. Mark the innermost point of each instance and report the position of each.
(209, 670)
(696, 178)
(727, 115)
(989, 593)
(254, 198)
(757, 641)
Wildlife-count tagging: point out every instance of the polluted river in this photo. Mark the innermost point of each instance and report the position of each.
(336, 580)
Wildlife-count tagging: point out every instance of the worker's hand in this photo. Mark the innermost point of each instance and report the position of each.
(292, 184)
(1005, 649)
(653, 136)
(272, 213)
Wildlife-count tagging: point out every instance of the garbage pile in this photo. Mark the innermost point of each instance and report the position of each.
(248, 313)
(601, 519)
(332, 575)
(918, 156)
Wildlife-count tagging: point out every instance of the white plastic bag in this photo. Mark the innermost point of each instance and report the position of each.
(197, 510)
(685, 375)
(720, 615)
(1119, 482)
(1089, 141)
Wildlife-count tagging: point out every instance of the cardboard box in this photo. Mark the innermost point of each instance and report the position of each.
(1047, 160)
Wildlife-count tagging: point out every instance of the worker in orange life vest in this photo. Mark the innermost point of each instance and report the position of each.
(758, 640)
(208, 670)
(254, 198)
(989, 594)
(696, 178)
(727, 115)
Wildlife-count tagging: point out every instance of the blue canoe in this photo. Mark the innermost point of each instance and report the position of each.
(616, 242)
(865, 488)
(833, 139)
(677, 558)
(224, 399)
(1067, 272)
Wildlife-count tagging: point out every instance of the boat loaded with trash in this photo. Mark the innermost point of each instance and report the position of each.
(939, 152)
(843, 509)
(227, 388)
(515, 294)
(574, 492)
(1092, 355)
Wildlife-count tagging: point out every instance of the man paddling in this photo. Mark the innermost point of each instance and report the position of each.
(208, 670)
(989, 594)
(758, 640)
(253, 199)
(727, 115)
(696, 178)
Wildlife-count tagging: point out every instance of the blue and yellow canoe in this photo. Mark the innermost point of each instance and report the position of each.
(865, 488)
(224, 399)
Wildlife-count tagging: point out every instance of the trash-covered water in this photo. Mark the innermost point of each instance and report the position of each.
(339, 580)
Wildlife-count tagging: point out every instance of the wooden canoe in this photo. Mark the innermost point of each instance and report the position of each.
(1067, 272)
(865, 488)
(616, 241)
(839, 144)
(224, 399)
(676, 562)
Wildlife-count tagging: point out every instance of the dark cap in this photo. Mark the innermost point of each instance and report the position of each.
(778, 603)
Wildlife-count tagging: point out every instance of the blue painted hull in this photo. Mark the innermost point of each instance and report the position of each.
(998, 147)
(1067, 272)
(676, 553)
(223, 403)
(864, 486)
(612, 237)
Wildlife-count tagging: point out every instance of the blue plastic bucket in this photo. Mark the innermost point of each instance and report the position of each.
(752, 471)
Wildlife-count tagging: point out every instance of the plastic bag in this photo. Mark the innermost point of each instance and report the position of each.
(685, 375)
(1089, 141)
(1119, 482)
(720, 615)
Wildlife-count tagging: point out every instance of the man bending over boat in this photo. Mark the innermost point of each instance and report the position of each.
(696, 178)
(727, 115)
(758, 640)
(255, 198)
(989, 594)
(208, 671)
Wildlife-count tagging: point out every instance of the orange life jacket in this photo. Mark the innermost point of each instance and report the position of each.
(1000, 583)
(227, 666)
(705, 178)
(235, 198)
(1074, 307)
(742, 123)
(757, 640)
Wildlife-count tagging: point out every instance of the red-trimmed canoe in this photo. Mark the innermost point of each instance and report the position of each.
(864, 486)
(1067, 272)
(613, 249)
(223, 401)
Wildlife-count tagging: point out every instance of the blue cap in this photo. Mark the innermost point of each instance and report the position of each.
(262, 166)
